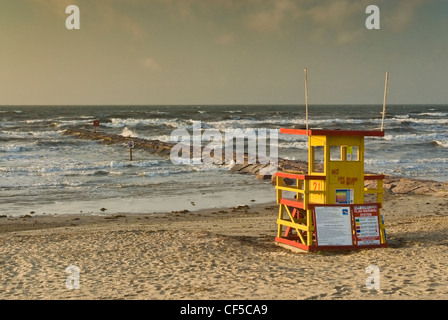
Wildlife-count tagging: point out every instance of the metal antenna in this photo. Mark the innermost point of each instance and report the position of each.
(384, 101)
(306, 99)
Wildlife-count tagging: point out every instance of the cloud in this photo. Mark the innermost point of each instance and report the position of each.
(264, 21)
(402, 15)
(342, 20)
(270, 20)
(334, 13)
(339, 22)
(110, 16)
(47, 9)
(325, 20)
(336, 21)
(225, 39)
(150, 64)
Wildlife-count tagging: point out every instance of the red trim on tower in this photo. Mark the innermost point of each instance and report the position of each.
(319, 132)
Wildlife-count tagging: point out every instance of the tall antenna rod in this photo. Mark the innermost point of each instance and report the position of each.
(384, 101)
(306, 99)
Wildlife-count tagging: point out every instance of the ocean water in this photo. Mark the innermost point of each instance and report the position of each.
(45, 171)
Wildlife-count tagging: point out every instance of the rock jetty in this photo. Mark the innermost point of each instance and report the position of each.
(392, 184)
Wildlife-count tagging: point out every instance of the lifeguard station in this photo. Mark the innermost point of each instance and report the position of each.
(331, 207)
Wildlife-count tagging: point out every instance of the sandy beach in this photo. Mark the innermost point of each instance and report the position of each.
(219, 254)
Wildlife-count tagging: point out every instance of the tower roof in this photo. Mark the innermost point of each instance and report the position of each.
(321, 132)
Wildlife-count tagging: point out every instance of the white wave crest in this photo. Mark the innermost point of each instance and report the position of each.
(434, 114)
(128, 133)
(131, 122)
(443, 144)
(13, 148)
(294, 145)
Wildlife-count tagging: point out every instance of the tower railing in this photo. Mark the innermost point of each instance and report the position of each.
(301, 187)
(378, 190)
(297, 224)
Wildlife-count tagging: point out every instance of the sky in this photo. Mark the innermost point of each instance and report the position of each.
(229, 52)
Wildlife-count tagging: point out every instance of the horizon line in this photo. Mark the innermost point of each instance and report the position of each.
(219, 104)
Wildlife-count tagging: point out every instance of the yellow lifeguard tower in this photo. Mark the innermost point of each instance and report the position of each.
(336, 205)
(329, 208)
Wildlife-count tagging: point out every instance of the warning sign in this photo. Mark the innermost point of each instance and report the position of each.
(366, 225)
(344, 196)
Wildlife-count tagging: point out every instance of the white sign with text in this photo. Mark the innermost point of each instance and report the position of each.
(333, 226)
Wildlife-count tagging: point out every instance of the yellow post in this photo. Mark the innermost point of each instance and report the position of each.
(380, 188)
(310, 228)
(278, 183)
(280, 216)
